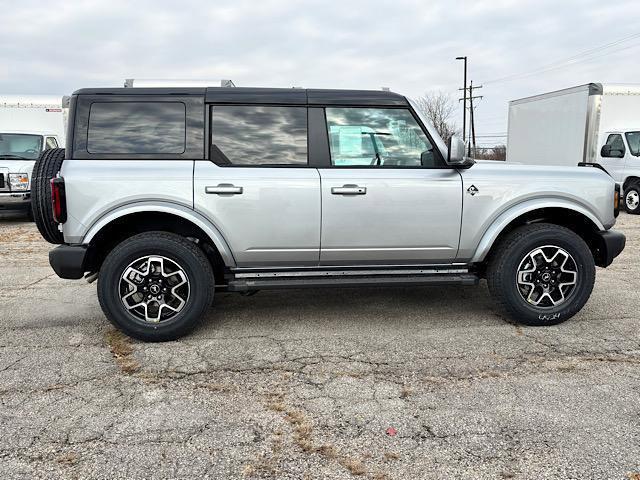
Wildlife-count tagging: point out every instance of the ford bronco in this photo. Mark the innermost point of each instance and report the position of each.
(165, 195)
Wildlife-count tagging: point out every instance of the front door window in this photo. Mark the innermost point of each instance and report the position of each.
(377, 137)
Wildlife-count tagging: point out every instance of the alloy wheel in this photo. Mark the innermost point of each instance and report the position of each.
(547, 276)
(154, 289)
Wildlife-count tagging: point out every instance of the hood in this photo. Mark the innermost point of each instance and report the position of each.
(17, 166)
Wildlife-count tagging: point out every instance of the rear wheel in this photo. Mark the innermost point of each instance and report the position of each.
(541, 274)
(632, 199)
(155, 286)
(47, 167)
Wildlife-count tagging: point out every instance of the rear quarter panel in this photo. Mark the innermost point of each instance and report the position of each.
(96, 187)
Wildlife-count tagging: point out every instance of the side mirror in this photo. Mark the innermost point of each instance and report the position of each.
(608, 151)
(457, 157)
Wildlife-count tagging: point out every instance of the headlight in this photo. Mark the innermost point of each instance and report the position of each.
(18, 181)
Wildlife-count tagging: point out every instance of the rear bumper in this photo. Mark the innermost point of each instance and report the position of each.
(609, 244)
(11, 201)
(68, 261)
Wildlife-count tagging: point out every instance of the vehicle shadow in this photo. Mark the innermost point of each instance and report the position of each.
(338, 309)
(12, 216)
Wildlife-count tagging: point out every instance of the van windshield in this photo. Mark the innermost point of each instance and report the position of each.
(633, 139)
(20, 146)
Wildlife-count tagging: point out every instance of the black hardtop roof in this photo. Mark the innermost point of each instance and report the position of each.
(273, 96)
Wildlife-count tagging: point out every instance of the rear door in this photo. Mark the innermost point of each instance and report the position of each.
(257, 187)
(387, 197)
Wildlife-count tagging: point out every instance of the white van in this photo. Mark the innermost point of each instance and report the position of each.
(28, 126)
(593, 123)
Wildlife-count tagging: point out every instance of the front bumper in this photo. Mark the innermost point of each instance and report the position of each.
(13, 200)
(609, 244)
(68, 261)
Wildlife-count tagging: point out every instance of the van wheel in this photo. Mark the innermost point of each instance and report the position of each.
(47, 167)
(541, 274)
(156, 286)
(632, 199)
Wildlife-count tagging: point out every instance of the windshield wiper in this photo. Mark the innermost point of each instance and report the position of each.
(8, 155)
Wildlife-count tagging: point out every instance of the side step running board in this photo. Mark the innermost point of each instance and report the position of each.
(248, 284)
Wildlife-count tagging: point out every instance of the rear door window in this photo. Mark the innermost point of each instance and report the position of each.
(259, 136)
(137, 128)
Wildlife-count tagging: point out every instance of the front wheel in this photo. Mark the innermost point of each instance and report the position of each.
(155, 286)
(541, 274)
(632, 199)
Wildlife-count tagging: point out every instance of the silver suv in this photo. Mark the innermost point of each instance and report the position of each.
(166, 195)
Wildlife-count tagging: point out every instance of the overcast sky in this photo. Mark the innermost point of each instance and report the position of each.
(55, 47)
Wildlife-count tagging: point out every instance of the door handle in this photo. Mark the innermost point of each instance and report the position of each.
(224, 189)
(349, 190)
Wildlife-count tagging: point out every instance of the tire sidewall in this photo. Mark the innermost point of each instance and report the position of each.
(109, 282)
(635, 188)
(576, 247)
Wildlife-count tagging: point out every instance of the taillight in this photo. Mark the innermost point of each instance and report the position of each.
(616, 201)
(58, 200)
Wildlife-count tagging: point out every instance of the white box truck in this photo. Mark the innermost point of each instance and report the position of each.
(593, 123)
(28, 126)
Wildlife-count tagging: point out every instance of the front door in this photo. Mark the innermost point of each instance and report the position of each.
(258, 189)
(613, 159)
(387, 198)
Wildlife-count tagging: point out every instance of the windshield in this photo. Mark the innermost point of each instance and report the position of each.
(18, 145)
(633, 139)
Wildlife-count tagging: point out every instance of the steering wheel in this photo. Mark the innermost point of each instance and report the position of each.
(31, 150)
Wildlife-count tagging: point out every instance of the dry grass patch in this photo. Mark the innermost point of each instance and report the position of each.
(405, 392)
(303, 437)
(122, 351)
(355, 466)
(391, 456)
(69, 459)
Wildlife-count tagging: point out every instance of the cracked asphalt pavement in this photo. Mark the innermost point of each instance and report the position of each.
(403, 383)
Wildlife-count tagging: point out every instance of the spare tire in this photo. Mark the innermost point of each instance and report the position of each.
(46, 168)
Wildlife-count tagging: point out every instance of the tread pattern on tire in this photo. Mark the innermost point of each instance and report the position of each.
(167, 239)
(46, 167)
(496, 267)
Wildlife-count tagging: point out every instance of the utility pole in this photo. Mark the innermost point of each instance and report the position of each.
(472, 130)
(464, 105)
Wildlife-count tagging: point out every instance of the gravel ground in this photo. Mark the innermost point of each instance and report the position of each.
(355, 383)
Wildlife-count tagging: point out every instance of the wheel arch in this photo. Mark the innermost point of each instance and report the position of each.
(574, 217)
(122, 223)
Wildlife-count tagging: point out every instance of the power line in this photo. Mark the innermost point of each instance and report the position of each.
(590, 54)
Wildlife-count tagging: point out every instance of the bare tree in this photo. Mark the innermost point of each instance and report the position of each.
(497, 152)
(439, 108)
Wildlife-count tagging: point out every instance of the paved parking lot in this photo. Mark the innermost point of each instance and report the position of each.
(370, 383)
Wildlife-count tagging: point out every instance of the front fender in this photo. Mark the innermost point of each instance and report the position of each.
(505, 218)
(165, 207)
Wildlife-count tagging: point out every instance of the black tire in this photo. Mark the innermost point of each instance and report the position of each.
(186, 255)
(631, 197)
(47, 166)
(511, 254)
